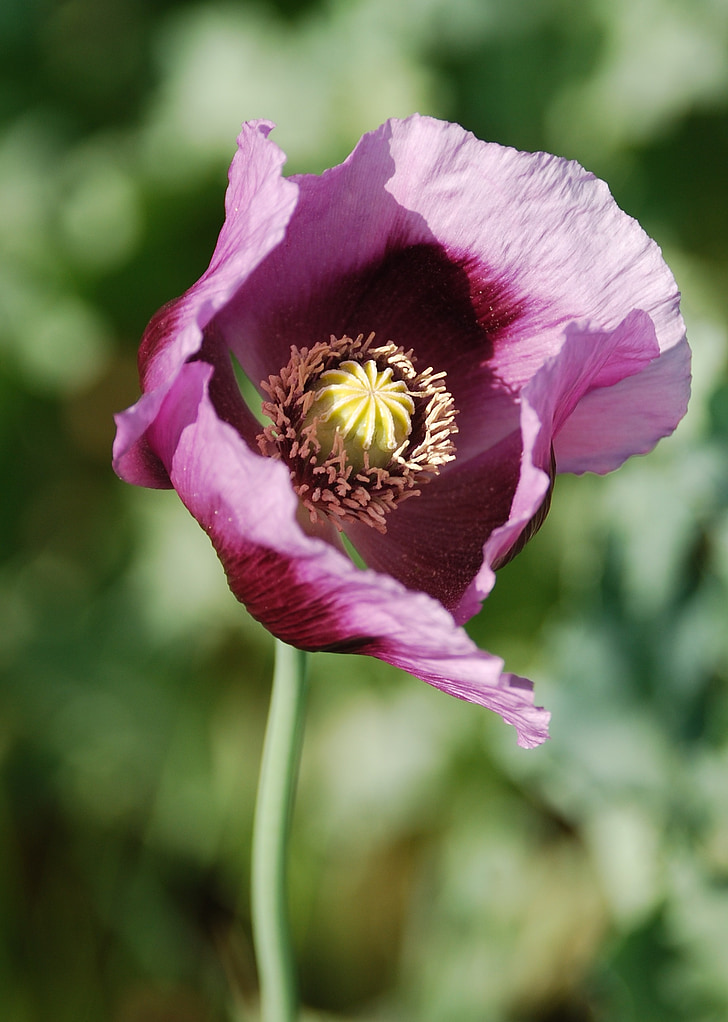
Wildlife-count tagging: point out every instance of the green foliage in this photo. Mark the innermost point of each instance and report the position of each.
(438, 872)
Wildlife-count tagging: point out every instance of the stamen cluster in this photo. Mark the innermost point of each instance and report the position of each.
(359, 426)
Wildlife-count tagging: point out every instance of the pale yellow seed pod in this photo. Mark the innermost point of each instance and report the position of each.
(371, 411)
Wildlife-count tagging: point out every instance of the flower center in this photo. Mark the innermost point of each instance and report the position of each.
(360, 427)
(369, 409)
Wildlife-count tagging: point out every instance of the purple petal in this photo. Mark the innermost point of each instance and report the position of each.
(258, 206)
(434, 542)
(612, 423)
(589, 363)
(593, 364)
(355, 260)
(475, 255)
(301, 588)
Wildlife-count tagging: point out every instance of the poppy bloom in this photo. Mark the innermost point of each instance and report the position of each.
(435, 327)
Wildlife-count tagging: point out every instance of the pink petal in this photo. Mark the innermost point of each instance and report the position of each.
(258, 206)
(590, 368)
(610, 424)
(301, 588)
(552, 230)
(590, 363)
(475, 255)
(354, 260)
(434, 542)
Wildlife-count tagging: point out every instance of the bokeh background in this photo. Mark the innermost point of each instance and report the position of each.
(439, 873)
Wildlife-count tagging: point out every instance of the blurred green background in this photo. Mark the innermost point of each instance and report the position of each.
(439, 873)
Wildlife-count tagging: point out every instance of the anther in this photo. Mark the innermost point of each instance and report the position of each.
(359, 426)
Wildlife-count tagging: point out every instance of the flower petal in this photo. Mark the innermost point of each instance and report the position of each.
(259, 203)
(355, 260)
(434, 542)
(552, 229)
(258, 206)
(593, 364)
(301, 588)
(475, 255)
(611, 423)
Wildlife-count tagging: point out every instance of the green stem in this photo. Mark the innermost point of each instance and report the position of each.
(273, 810)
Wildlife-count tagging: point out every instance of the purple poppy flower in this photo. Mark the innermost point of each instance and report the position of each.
(436, 327)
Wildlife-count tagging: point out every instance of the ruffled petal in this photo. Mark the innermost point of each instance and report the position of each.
(474, 255)
(355, 260)
(258, 205)
(589, 363)
(564, 251)
(301, 588)
(592, 364)
(552, 230)
(611, 423)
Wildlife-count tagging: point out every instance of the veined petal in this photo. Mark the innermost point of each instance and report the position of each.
(552, 230)
(301, 588)
(258, 205)
(475, 255)
(592, 362)
(611, 423)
